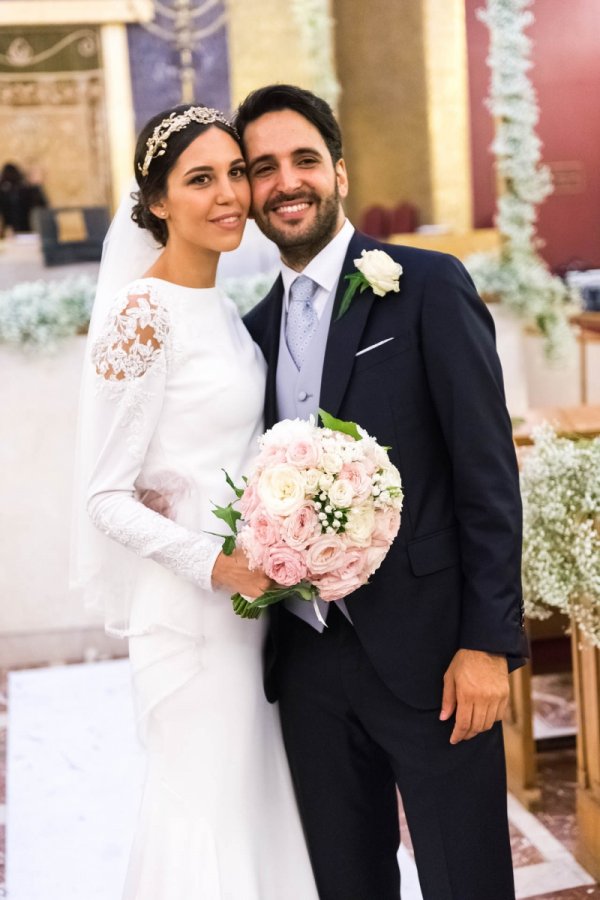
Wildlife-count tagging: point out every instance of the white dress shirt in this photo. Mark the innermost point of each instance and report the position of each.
(324, 269)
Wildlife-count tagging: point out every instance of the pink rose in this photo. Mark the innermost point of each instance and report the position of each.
(255, 552)
(265, 529)
(374, 556)
(302, 453)
(284, 565)
(325, 553)
(387, 523)
(338, 584)
(300, 527)
(249, 501)
(369, 464)
(359, 478)
(353, 564)
(271, 455)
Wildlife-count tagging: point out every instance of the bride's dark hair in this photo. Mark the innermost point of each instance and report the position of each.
(153, 185)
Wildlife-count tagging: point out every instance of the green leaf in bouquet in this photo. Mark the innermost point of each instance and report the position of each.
(228, 541)
(227, 514)
(238, 491)
(229, 545)
(334, 424)
(306, 591)
(243, 608)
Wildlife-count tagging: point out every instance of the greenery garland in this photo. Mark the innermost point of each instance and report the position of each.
(518, 276)
(561, 529)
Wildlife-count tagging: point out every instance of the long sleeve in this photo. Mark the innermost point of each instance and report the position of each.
(132, 358)
(466, 383)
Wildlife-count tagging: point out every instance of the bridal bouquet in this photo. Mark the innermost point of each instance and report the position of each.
(319, 512)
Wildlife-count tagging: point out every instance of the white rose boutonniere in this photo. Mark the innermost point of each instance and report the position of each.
(376, 270)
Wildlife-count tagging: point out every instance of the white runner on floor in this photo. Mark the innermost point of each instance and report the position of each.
(74, 777)
(75, 771)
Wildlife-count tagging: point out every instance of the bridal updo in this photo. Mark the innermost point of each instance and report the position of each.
(160, 143)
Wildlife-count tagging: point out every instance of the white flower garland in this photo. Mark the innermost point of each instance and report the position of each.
(519, 276)
(316, 29)
(39, 313)
(561, 537)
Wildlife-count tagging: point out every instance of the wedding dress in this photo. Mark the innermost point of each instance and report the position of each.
(179, 395)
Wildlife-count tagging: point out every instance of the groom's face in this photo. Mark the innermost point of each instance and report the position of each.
(296, 188)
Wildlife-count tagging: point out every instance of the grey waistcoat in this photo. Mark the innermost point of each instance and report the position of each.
(297, 398)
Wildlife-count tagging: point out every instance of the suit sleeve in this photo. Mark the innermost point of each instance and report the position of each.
(465, 379)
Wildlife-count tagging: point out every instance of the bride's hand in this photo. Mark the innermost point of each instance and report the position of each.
(232, 573)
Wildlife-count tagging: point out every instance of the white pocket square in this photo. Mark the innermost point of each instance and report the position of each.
(372, 347)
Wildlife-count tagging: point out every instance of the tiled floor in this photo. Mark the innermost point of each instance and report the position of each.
(74, 761)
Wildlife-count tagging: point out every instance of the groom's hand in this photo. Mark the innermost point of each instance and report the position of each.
(476, 686)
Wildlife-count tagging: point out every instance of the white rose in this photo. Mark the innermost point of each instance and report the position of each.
(360, 525)
(287, 431)
(380, 270)
(311, 480)
(389, 478)
(341, 494)
(281, 489)
(375, 451)
(325, 481)
(332, 462)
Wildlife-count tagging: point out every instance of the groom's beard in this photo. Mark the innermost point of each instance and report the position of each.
(299, 246)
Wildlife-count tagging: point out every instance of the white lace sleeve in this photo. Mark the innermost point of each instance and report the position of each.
(132, 358)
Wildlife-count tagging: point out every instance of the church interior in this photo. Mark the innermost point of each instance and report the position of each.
(471, 127)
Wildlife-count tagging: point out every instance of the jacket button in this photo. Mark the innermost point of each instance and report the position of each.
(302, 396)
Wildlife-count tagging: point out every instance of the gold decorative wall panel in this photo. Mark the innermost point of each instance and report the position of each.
(265, 45)
(383, 106)
(52, 120)
(404, 106)
(448, 112)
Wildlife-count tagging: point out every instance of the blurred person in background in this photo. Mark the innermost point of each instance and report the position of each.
(18, 198)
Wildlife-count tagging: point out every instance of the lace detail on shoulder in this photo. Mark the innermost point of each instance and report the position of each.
(149, 535)
(135, 339)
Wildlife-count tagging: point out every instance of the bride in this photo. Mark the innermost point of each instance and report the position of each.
(173, 393)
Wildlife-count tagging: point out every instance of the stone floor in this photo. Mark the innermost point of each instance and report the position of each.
(75, 771)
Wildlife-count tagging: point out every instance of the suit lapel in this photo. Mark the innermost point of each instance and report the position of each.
(345, 334)
(274, 304)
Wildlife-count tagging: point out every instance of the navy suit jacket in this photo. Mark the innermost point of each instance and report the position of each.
(434, 394)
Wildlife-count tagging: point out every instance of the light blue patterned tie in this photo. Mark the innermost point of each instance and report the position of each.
(302, 319)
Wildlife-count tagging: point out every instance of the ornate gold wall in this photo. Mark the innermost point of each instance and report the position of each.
(264, 47)
(52, 119)
(403, 109)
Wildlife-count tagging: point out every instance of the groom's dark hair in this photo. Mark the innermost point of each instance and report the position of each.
(276, 97)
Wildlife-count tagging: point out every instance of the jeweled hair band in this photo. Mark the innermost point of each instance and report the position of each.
(156, 145)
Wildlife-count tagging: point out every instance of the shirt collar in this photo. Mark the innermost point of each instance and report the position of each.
(326, 266)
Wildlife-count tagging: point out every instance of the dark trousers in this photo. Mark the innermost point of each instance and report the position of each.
(350, 741)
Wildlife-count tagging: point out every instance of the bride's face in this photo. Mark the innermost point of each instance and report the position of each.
(208, 196)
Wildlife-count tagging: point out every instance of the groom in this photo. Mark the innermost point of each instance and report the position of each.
(407, 683)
